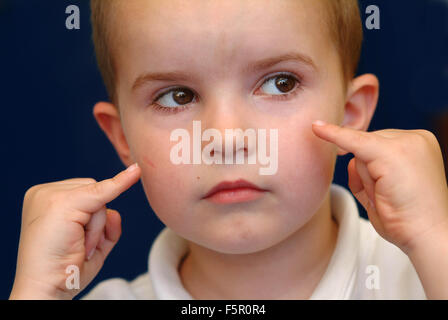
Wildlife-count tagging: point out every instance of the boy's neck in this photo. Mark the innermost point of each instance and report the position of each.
(289, 270)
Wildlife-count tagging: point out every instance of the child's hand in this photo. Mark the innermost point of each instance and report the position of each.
(399, 177)
(67, 223)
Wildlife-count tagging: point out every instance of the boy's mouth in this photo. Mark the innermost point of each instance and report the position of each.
(228, 192)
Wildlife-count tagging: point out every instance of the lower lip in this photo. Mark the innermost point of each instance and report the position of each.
(235, 195)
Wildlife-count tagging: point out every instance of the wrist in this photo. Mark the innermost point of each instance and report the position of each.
(27, 289)
(433, 240)
(429, 256)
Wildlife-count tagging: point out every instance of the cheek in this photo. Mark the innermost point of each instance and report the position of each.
(302, 152)
(167, 191)
(161, 180)
(146, 161)
(306, 167)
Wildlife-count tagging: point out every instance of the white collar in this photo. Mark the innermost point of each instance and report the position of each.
(337, 282)
(339, 278)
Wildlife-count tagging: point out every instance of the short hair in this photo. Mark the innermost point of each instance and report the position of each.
(343, 24)
(345, 27)
(101, 17)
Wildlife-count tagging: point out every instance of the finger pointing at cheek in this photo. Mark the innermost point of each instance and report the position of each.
(96, 195)
(364, 145)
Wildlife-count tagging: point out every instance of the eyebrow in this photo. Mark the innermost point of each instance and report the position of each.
(252, 67)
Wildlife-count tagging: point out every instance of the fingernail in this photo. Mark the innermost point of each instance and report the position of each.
(132, 167)
(319, 123)
(92, 251)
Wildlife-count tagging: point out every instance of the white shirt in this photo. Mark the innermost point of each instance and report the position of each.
(363, 265)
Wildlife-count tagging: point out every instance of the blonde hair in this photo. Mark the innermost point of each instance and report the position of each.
(342, 17)
(101, 12)
(345, 27)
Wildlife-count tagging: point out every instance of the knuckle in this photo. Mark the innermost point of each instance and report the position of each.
(89, 180)
(418, 141)
(428, 136)
(81, 180)
(30, 192)
(44, 198)
(38, 192)
(54, 200)
(94, 188)
(420, 136)
(407, 143)
(361, 139)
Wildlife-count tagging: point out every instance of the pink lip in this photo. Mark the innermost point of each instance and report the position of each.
(234, 192)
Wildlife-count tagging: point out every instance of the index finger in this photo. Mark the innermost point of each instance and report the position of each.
(92, 197)
(363, 145)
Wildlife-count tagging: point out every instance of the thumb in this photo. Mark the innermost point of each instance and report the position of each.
(357, 188)
(111, 235)
(95, 231)
(356, 185)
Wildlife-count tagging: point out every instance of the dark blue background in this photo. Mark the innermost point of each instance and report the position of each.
(49, 83)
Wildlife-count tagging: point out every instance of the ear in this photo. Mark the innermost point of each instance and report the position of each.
(108, 118)
(360, 105)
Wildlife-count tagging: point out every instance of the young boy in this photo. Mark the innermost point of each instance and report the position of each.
(233, 233)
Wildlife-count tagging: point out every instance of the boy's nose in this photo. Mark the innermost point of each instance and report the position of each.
(226, 114)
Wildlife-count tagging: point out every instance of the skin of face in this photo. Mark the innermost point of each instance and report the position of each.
(213, 42)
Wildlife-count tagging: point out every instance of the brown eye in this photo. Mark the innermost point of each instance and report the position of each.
(285, 84)
(182, 96)
(174, 98)
(280, 86)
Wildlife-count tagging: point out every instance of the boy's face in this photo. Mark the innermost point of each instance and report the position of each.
(213, 43)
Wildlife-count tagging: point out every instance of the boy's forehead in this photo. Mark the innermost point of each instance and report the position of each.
(177, 31)
(215, 11)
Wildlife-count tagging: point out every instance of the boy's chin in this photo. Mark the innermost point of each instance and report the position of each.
(239, 241)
